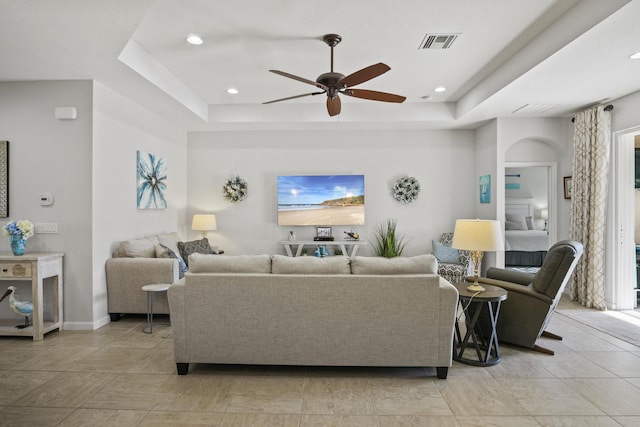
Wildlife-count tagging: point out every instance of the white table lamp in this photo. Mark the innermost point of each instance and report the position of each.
(477, 236)
(544, 214)
(204, 223)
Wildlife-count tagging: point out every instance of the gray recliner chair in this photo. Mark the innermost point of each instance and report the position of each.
(532, 298)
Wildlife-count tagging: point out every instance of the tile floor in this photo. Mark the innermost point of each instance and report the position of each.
(120, 376)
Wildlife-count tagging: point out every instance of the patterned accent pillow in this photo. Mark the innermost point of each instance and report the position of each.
(195, 246)
(166, 252)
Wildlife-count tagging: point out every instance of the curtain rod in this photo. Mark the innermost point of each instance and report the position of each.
(607, 108)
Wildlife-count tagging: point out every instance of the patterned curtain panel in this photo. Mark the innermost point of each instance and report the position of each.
(591, 146)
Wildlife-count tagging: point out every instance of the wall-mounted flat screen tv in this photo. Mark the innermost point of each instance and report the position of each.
(321, 200)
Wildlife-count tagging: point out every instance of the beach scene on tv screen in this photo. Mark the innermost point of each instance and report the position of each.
(321, 200)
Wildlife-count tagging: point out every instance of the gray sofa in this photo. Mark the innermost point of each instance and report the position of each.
(140, 262)
(277, 310)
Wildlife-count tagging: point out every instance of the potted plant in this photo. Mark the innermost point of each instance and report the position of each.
(388, 243)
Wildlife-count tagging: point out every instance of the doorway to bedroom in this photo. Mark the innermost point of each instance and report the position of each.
(529, 214)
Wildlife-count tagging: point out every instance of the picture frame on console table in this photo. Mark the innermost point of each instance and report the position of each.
(323, 231)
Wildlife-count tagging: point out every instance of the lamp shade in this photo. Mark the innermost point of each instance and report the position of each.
(478, 235)
(204, 222)
(544, 213)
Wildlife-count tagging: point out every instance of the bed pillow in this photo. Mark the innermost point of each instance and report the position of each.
(517, 222)
(529, 221)
(445, 254)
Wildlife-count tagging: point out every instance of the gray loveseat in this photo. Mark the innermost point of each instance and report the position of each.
(277, 310)
(140, 262)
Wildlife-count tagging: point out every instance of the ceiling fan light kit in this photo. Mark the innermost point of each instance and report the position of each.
(334, 84)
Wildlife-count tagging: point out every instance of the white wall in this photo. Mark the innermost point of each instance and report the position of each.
(50, 155)
(443, 162)
(487, 157)
(121, 128)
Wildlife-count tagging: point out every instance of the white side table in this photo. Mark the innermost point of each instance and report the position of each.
(31, 269)
(150, 290)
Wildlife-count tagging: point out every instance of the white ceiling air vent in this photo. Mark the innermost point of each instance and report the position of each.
(438, 41)
(533, 108)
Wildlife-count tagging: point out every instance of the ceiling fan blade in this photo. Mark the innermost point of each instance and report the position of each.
(374, 95)
(300, 79)
(293, 97)
(333, 105)
(365, 74)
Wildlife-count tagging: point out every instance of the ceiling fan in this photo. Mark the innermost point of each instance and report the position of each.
(333, 83)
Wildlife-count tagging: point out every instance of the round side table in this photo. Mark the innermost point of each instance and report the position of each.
(150, 290)
(487, 350)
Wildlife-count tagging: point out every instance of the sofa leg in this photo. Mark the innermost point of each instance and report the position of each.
(114, 316)
(442, 372)
(183, 368)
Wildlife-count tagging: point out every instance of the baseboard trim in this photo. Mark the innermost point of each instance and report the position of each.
(86, 326)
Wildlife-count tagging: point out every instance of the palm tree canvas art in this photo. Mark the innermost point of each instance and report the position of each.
(152, 181)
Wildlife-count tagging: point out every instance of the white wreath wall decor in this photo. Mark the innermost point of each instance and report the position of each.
(235, 189)
(406, 189)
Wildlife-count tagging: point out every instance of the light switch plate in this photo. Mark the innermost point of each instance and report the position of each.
(46, 228)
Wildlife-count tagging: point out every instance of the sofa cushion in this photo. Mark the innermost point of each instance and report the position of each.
(202, 263)
(444, 253)
(195, 246)
(139, 248)
(420, 264)
(281, 264)
(164, 252)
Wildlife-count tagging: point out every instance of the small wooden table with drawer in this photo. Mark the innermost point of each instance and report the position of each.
(34, 268)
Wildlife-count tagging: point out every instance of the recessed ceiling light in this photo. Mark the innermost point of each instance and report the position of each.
(194, 39)
(440, 89)
(232, 90)
(635, 55)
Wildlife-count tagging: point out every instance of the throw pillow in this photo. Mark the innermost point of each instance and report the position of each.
(170, 240)
(164, 252)
(139, 248)
(195, 246)
(445, 254)
(529, 221)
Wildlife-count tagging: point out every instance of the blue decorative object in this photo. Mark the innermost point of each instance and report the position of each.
(17, 245)
(18, 231)
(23, 308)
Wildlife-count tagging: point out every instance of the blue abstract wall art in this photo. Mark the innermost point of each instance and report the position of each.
(152, 181)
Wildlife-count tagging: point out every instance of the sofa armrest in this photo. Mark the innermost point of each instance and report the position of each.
(518, 277)
(177, 308)
(526, 290)
(126, 276)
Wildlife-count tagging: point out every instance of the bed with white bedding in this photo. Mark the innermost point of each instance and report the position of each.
(524, 245)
